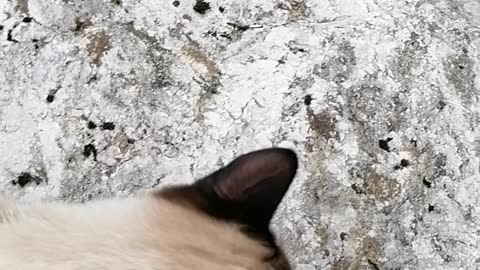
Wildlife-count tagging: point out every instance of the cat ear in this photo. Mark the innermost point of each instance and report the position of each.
(250, 188)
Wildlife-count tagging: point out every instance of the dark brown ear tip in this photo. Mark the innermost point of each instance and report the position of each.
(286, 155)
(290, 154)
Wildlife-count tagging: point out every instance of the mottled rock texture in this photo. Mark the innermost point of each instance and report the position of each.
(380, 99)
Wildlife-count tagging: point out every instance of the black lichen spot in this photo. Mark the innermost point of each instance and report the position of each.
(414, 142)
(50, 98)
(221, 9)
(403, 163)
(239, 27)
(431, 208)
(35, 43)
(176, 3)
(1, 27)
(117, 2)
(212, 33)
(25, 178)
(89, 150)
(10, 37)
(91, 125)
(27, 20)
(384, 144)
(357, 189)
(343, 236)
(130, 141)
(441, 105)
(427, 183)
(307, 100)
(201, 6)
(92, 79)
(296, 50)
(326, 253)
(108, 126)
(226, 35)
(373, 264)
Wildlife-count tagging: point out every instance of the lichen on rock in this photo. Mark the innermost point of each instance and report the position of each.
(379, 98)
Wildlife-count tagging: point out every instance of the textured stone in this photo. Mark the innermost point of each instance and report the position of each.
(111, 97)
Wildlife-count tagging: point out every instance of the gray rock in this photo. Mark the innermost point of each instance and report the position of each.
(380, 99)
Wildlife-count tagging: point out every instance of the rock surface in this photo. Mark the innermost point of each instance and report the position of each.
(380, 99)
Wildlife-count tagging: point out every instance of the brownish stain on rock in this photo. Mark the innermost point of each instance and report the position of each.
(22, 7)
(367, 252)
(98, 44)
(382, 188)
(321, 235)
(412, 148)
(209, 88)
(341, 264)
(322, 123)
(302, 83)
(121, 140)
(296, 9)
(370, 251)
(201, 62)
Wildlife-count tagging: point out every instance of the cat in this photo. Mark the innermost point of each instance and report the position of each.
(220, 222)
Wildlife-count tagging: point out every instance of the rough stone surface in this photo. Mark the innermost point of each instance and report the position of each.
(380, 99)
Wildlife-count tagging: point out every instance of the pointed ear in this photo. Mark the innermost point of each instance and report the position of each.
(250, 188)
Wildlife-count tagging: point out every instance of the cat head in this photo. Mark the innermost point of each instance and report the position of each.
(246, 192)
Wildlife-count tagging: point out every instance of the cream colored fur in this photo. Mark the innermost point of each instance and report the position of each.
(141, 233)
